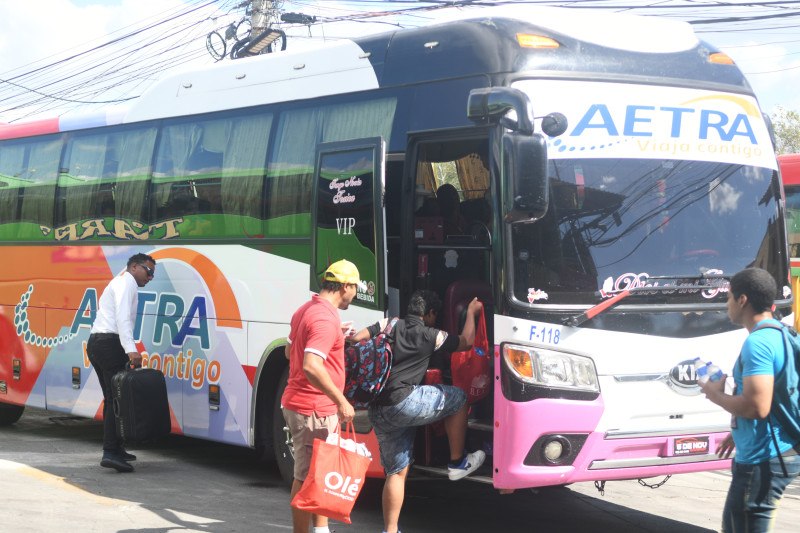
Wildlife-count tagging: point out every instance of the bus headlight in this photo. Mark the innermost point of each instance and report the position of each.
(549, 368)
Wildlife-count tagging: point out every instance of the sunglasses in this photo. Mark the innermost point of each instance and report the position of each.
(150, 272)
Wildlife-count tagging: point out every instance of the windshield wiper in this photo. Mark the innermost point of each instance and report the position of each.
(701, 282)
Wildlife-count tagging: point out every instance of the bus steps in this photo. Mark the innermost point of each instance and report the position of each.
(442, 471)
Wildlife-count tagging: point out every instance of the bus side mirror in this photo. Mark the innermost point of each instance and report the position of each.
(525, 172)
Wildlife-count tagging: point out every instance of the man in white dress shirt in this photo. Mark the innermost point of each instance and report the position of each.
(111, 347)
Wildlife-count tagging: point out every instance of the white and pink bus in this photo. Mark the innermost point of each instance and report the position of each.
(601, 253)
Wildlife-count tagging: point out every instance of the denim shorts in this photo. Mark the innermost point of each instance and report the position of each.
(755, 493)
(396, 425)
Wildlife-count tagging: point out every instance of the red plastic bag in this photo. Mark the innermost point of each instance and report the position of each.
(334, 479)
(472, 370)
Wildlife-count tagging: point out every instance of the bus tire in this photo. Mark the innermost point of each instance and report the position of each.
(10, 413)
(281, 436)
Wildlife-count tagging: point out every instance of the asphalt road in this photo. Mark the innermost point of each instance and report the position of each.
(51, 481)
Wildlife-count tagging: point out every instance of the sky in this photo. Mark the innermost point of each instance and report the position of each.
(36, 34)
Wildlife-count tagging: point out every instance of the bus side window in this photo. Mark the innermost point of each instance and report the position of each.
(28, 174)
(244, 169)
(106, 175)
(215, 166)
(291, 162)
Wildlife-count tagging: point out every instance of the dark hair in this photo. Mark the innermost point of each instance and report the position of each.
(758, 285)
(139, 259)
(448, 198)
(331, 286)
(423, 301)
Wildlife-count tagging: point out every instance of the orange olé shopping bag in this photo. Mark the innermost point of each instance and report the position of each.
(472, 369)
(335, 478)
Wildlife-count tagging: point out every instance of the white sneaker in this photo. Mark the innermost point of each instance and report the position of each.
(471, 463)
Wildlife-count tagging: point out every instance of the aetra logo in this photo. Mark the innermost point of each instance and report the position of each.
(683, 378)
(342, 486)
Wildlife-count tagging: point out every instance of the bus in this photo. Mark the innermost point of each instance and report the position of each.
(790, 177)
(611, 173)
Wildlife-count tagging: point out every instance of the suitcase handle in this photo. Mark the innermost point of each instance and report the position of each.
(115, 405)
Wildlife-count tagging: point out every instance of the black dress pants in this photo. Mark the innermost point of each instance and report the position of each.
(108, 357)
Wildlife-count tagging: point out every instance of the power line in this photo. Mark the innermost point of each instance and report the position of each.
(127, 52)
(128, 63)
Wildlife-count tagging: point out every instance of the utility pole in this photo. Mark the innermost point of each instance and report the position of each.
(265, 32)
(259, 16)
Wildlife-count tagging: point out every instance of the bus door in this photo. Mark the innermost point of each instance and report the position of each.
(348, 220)
(450, 213)
(453, 222)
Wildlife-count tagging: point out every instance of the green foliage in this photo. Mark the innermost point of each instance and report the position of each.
(446, 172)
(787, 131)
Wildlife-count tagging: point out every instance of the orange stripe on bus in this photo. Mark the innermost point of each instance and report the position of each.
(221, 292)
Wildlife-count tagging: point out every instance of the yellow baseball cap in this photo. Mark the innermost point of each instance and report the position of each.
(342, 271)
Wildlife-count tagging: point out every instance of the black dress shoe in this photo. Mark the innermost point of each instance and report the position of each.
(115, 462)
(126, 456)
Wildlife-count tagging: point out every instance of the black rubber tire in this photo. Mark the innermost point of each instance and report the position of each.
(10, 413)
(281, 437)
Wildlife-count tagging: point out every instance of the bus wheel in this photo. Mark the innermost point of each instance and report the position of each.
(10, 413)
(281, 436)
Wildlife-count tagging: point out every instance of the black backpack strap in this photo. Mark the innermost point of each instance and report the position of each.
(775, 442)
(783, 329)
(771, 325)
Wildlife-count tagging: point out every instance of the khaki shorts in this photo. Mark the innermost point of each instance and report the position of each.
(304, 430)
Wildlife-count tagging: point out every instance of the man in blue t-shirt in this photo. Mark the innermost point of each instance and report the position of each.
(758, 480)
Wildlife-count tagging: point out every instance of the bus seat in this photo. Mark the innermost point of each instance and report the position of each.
(458, 296)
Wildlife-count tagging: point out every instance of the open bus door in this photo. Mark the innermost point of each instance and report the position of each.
(448, 225)
(496, 175)
(348, 217)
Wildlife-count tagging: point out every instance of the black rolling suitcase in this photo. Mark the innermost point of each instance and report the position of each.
(141, 407)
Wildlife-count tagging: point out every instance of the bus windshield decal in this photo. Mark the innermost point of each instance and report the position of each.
(638, 121)
(536, 294)
(630, 281)
(709, 284)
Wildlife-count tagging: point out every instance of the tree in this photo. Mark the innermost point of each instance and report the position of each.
(787, 131)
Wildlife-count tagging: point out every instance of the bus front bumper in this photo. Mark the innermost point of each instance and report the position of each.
(520, 460)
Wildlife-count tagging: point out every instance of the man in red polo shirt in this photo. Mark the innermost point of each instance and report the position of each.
(313, 403)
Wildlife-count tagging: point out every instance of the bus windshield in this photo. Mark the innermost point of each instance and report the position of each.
(612, 223)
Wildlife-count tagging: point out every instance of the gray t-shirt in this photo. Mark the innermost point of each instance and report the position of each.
(413, 343)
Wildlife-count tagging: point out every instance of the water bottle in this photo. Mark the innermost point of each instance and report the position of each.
(700, 370)
(706, 372)
(714, 372)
